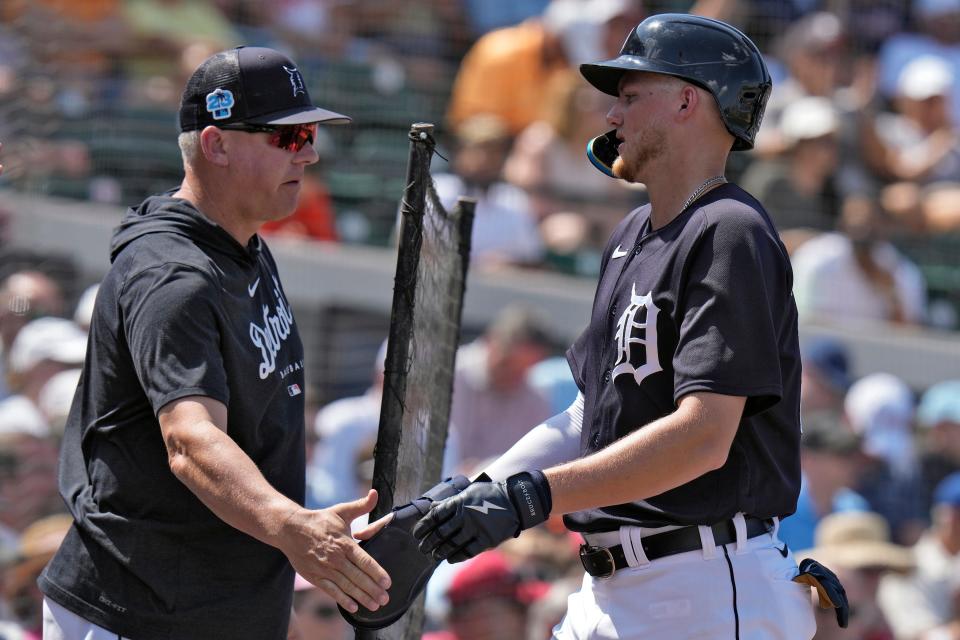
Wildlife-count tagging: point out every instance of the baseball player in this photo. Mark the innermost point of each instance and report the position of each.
(183, 454)
(681, 452)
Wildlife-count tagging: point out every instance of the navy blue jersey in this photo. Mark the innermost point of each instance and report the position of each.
(704, 303)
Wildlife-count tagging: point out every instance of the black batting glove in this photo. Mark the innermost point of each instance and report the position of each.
(830, 592)
(483, 515)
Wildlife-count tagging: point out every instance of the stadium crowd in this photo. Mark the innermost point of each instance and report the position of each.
(858, 163)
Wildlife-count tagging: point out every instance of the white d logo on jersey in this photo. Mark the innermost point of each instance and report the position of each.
(625, 338)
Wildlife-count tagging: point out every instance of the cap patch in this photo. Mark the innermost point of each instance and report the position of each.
(220, 103)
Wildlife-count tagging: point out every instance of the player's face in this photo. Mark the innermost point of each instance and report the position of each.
(270, 176)
(638, 116)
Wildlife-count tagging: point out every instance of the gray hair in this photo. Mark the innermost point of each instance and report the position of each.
(189, 143)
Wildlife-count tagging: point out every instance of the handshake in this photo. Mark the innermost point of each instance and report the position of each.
(455, 520)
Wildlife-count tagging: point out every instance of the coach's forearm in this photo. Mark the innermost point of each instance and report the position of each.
(663, 455)
(222, 475)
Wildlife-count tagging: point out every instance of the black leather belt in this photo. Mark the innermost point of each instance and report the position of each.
(602, 562)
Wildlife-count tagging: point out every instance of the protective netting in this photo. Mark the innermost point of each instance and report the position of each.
(425, 328)
(432, 259)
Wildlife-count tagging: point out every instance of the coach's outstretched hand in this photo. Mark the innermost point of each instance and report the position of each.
(484, 515)
(320, 548)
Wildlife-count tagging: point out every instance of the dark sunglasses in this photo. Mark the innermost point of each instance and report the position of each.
(290, 137)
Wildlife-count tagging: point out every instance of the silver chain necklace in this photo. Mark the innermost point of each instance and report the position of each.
(715, 180)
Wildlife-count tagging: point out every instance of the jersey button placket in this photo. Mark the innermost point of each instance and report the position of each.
(595, 440)
(606, 376)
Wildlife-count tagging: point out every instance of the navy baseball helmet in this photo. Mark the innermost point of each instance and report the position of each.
(705, 52)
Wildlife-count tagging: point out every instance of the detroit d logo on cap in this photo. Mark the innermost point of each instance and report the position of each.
(296, 80)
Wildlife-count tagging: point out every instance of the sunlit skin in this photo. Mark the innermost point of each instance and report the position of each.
(671, 137)
(246, 180)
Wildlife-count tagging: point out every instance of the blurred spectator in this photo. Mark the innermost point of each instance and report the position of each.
(937, 34)
(548, 160)
(926, 606)
(857, 274)
(916, 147)
(813, 51)
(43, 348)
(548, 157)
(56, 397)
(37, 545)
(422, 32)
(880, 407)
(24, 295)
(345, 430)
(312, 28)
(493, 404)
(507, 70)
(84, 309)
(484, 15)
(799, 191)
(553, 379)
(938, 416)
(488, 600)
(28, 484)
(317, 616)
(830, 460)
(504, 226)
(857, 547)
(825, 376)
(918, 140)
(172, 37)
(547, 612)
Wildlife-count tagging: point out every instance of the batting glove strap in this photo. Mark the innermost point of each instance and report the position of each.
(529, 492)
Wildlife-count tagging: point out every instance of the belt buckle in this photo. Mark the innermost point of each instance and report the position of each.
(589, 559)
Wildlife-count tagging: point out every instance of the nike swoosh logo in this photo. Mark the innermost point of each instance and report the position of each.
(485, 507)
(783, 551)
(252, 289)
(618, 253)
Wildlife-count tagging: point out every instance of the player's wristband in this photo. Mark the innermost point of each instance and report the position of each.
(530, 493)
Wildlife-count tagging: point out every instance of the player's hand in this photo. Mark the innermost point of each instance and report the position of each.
(483, 515)
(320, 548)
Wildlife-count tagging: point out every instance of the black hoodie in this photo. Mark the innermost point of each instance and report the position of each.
(184, 310)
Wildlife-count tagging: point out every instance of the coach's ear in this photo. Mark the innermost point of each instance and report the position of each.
(602, 151)
(212, 144)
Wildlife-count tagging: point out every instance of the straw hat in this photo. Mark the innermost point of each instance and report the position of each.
(857, 540)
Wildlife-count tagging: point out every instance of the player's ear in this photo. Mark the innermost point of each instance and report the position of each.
(213, 146)
(688, 100)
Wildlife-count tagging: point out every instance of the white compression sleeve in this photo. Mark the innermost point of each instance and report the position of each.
(550, 443)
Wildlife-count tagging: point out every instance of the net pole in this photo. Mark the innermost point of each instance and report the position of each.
(397, 363)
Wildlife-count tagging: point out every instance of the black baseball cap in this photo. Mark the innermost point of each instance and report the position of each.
(251, 85)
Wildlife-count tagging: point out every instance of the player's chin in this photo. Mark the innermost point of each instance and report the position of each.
(623, 170)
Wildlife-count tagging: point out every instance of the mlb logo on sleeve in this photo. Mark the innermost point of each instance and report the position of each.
(294, 390)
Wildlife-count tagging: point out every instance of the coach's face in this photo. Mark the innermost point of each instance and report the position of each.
(639, 117)
(267, 179)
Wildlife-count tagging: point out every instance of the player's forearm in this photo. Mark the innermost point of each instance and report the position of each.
(227, 481)
(663, 455)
